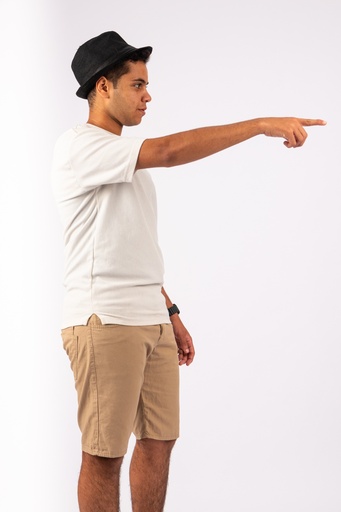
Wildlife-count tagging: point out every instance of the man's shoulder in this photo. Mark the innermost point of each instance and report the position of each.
(68, 134)
(87, 140)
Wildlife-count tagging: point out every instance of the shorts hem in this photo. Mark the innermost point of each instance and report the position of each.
(104, 453)
(147, 435)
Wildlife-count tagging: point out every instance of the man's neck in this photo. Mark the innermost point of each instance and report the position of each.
(104, 121)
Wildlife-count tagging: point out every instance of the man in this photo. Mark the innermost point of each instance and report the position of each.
(122, 333)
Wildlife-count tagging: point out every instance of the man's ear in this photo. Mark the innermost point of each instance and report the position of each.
(102, 87)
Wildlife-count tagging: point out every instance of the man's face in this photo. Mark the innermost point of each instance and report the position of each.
(128, 101)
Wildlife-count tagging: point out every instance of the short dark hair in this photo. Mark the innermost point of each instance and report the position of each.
(120, 69)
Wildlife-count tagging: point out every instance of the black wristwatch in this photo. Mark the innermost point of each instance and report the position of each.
(174, 309)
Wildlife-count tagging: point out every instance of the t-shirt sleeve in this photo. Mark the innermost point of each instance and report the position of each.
(98, 157)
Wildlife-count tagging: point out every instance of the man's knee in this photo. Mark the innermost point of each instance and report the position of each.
(101, 465)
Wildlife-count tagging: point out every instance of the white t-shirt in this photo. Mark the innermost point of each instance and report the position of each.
(113, 263)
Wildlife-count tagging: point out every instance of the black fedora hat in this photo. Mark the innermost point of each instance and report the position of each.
(98, 55)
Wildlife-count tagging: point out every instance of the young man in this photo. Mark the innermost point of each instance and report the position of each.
(122, 333)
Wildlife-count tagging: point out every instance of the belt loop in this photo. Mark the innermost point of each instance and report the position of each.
(94, 320)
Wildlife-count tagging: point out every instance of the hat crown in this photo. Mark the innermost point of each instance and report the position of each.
(95, 55)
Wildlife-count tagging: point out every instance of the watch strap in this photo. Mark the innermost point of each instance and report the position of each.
(173, 310)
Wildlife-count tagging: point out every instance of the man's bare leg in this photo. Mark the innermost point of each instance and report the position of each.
(99, 484)
(149, 470)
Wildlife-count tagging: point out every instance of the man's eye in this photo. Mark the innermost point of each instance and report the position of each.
(138, 86)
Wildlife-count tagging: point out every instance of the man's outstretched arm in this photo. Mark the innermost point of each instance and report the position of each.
(184, 147)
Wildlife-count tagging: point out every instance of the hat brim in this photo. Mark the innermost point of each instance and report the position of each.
(85, 89)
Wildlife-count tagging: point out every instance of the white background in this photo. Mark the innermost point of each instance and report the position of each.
(251, 240)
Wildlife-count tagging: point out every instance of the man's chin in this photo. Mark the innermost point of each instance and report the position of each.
(133, 123)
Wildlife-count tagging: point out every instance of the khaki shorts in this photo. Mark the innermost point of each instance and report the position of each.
(127, 380)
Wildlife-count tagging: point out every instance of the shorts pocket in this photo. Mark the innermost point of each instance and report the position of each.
(70, 344)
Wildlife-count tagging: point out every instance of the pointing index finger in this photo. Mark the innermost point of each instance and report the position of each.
(313, 122)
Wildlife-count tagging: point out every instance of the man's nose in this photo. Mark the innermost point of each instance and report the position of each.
(147, 97)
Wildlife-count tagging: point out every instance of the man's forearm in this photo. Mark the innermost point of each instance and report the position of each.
(169, 303)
